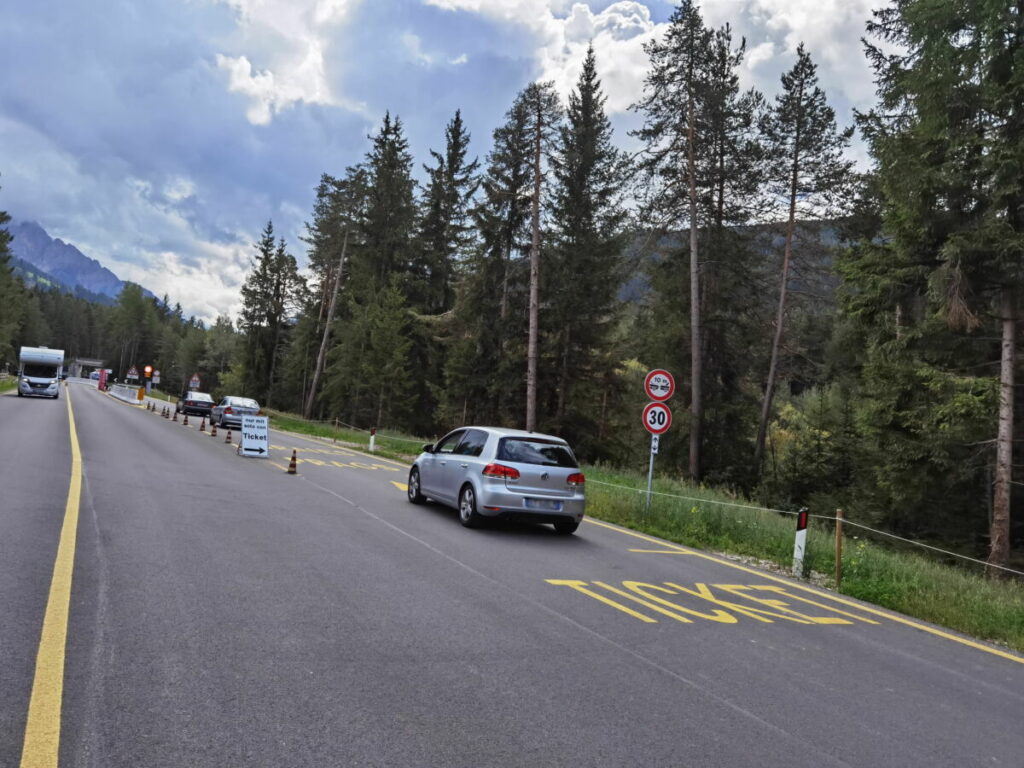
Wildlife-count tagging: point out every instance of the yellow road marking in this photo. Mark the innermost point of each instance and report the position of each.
(796, 585)
(400, 486)
(347, 447)
(660, 552)
(42, 728)
(581, 586)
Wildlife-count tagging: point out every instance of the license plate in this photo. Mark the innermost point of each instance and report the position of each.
(547, 504)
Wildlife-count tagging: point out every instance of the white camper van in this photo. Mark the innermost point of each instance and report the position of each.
(40, 370)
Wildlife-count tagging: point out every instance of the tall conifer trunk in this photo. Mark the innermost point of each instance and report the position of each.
(780, 316)
(696, 347)
(999, 537)
(531, 350)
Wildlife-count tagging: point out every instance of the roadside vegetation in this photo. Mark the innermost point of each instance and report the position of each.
(6, 385)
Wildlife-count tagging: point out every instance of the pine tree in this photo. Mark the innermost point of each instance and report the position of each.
(808, 171)
(584, 269)
(948, 139)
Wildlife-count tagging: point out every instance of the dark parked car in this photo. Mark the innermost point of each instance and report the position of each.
(229, 411)
(195, 403)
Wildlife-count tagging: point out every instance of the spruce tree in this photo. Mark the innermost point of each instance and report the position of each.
(948, 139)
(676, 109)
(271, 295)
(389, 218)
(11, 297)
(444, 231)
(584, 269)
(483, 373)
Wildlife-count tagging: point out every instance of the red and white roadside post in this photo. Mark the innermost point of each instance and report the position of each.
(800, 543)
(659, 386)
(373, 439)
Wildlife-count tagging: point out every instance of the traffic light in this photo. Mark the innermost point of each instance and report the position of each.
(148, 370)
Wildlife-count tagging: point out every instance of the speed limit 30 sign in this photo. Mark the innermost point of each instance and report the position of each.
(657, 418)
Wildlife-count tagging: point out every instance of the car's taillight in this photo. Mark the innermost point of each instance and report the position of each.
(576, 478)
(228, 410)
(500, 470)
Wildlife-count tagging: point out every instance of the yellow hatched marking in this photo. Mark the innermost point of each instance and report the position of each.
(581, 586)
(835, 598)
(400, 486)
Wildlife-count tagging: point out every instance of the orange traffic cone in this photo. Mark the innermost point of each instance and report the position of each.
(228, 438)
(175, 416)
(293, 464)
(213, 429)
(202, 425)
(185, 421)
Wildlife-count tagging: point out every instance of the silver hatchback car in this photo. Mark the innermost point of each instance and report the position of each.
(501, 473)
(229, 411)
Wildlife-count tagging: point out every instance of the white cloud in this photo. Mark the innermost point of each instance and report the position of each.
(831, 30)
(125, 223)
(288, 39)
(562, 33)
(459, 60)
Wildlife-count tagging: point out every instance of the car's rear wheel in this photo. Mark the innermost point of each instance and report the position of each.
(566, 527)
(468, 515)
(414, 487)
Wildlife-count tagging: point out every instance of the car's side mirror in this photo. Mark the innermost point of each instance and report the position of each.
(428, 448)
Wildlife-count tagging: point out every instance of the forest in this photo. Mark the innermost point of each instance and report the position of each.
(840, 336)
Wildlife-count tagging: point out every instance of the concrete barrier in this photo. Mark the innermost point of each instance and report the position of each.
(127, 392)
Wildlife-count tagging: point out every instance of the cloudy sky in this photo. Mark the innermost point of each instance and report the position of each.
(159, 136)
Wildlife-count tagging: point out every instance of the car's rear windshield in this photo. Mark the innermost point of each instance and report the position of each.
(200, 397)
(244, 402)
(531, 451)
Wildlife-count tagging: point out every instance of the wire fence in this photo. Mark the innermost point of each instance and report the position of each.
(833, 518)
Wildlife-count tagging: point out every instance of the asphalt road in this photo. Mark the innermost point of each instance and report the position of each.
(224, 613)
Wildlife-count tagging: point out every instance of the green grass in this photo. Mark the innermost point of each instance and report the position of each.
(910, 583)
(6, 385)
(397, 447)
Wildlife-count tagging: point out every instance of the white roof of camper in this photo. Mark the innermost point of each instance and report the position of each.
(41, 355)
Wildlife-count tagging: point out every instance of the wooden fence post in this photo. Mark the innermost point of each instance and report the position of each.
(839, 548)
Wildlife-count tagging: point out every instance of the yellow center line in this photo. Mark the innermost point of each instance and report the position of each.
(42, 729)
(796, 585)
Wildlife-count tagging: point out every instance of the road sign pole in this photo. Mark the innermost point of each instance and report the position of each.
(650, 472)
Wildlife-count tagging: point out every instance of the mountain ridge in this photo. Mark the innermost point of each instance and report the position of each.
(63, 263)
